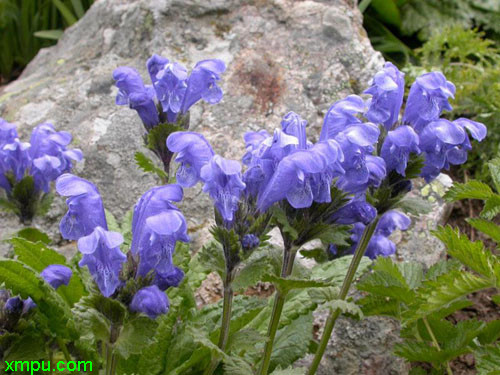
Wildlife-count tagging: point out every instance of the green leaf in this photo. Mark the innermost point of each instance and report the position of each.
(285, 285)
(487, 227)
(347, 308)
(414, 205)
(147, 165)
(490, 333)
(488, 360)
(38, 256)
(44, 204)
(471, 254)
(442, 267)
(470, 190)
(496, 299)
(27, 282)
(30, 347)
(8, 206)
(292, 342)
(494, 166)
(491, 207)
(447, 289)
(253, 270)
(211, 257)
(135, 335)
(318, 254)
(113, 225)
(65, 12)
(279, 216)
(33, 235)
(387, 11)
(49, 34)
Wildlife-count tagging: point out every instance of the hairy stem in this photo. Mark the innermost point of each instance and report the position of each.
(64, 349)
(279, 301)
(435, 343)
(334, 314)
(226, 321)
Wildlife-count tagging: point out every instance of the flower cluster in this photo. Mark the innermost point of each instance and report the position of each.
(157, 226)
(35, 164)
(172, 93)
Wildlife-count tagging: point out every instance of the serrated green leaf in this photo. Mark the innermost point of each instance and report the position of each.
(43, 206)
(377, 305)
(318, 254)
(148, 166)
(414, 205)
(490, 332)
(135, 335)
(287, 284)
(27, 282)
(442, 267)
(253, 270)
(347, 308)
(292, 342)
(8, 206)
(447, 289)
(470, 190)
(471, 254)
(488, 360)
(279, 216)
(494, 166)
(323, 295)
(38, 256)
(491, 207)
(30, 347)
(113, 225)
(334, 271)
(33, 235)
(415, 351)
(487, 227)
(211, 257)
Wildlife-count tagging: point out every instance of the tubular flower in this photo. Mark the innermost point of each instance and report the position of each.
(103, 257)
(157, 225)
(56, 275)
(193, 152)
(387, 92)
(397, 147)
(85, 208)
(223, 183)
(150, 301)
(428, 97)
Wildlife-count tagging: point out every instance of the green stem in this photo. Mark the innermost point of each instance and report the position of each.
(435, 342)
(64, 349)
(111, 358)
(279, 301)
(226, 321)
(334, 314)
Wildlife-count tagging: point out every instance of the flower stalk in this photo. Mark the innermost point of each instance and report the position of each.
(279, 301)
(334, 314)
(226, 320)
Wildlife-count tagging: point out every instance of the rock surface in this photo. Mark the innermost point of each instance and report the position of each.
(281, 55)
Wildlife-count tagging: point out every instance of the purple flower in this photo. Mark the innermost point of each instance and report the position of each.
(56, 275)
(173, 279)
(193, 152)
(303, 176)
(150, 301)
(397, 147)
(102, 255)
(222, 178)
(132, 92)
(428, 97)
(171, 88)
(445, 142)
(250, 241)
(14, 305)
(380, 245)
(387, 92)
(202, 83)
(293, 124)
(50, 155)
(340, 115)
(355, 211)
(157, 225)
(253, 140)
(85, 208)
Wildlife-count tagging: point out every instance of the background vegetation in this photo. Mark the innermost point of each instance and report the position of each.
(28, 25)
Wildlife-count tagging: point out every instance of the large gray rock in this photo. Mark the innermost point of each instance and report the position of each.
(281, 55)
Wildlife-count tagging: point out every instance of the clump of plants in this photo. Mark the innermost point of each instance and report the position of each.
(131, 308)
